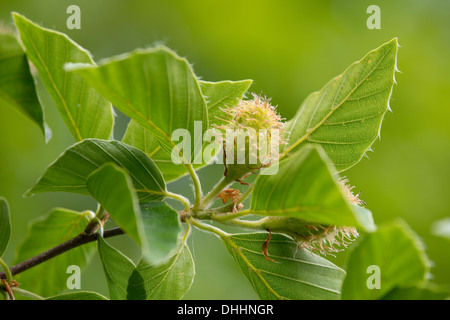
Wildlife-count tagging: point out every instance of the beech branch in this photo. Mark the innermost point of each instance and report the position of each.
(77, 241)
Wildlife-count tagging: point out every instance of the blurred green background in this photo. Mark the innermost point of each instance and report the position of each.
(289, 48)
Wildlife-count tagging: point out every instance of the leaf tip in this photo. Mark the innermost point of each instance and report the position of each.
(19, 19)
(15, 15)
(28, 193)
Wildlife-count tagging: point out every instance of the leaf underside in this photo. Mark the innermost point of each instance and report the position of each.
(117, 268)
(165, 94)
(305, 187)
(168, 281)
(398, 253)
(71, 170)
(345, 116)
(295, 274)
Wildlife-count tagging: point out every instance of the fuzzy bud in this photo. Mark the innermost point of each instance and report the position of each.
(251, 136)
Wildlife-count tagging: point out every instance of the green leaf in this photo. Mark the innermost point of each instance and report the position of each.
(79, 295)
(165, 94)
(118, 269)
(71, 170)
(305, 187)
(86, 113)
(155, 226)
(398, 253)
(5, 225)
(16, 83)
(345, 116)
(45, 233)
(113, 189)
(162, 229)
(141, 138)
(168, 281)
(218, 94)
(222, 94)
(297, 274)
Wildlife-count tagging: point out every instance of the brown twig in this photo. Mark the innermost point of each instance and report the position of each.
(79, 240)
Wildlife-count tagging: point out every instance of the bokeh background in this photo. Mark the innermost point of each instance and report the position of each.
(289, 48)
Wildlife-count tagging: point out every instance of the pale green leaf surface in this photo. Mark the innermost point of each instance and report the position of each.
(155, 87)
(162, 229)
(297, 274)
(78, 295)
(398, 253)
(5, 225)
(168, 281)
(345, 116)
(70, 171)
(305, 187)
(16, 82)
(117, 268)
(86, 113)
(45, 233)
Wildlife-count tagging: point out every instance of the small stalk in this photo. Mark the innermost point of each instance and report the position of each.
(246, 224)
(208, 228)
(197, 185)
(27, 294)
(229, 216)
(180, 198)
(212, 195)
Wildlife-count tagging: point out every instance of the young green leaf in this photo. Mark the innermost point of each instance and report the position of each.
(44, 233)
(162, 229)
(71, 170)
(16, 83)
(168, 281)
(295, 274)
(118, 269)
(5, 225)
(305, 187)
(223, 94)
(345, 116)
(164, 95)
(86, 113)
(154, 225)
(391, 257)
(79, 295)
